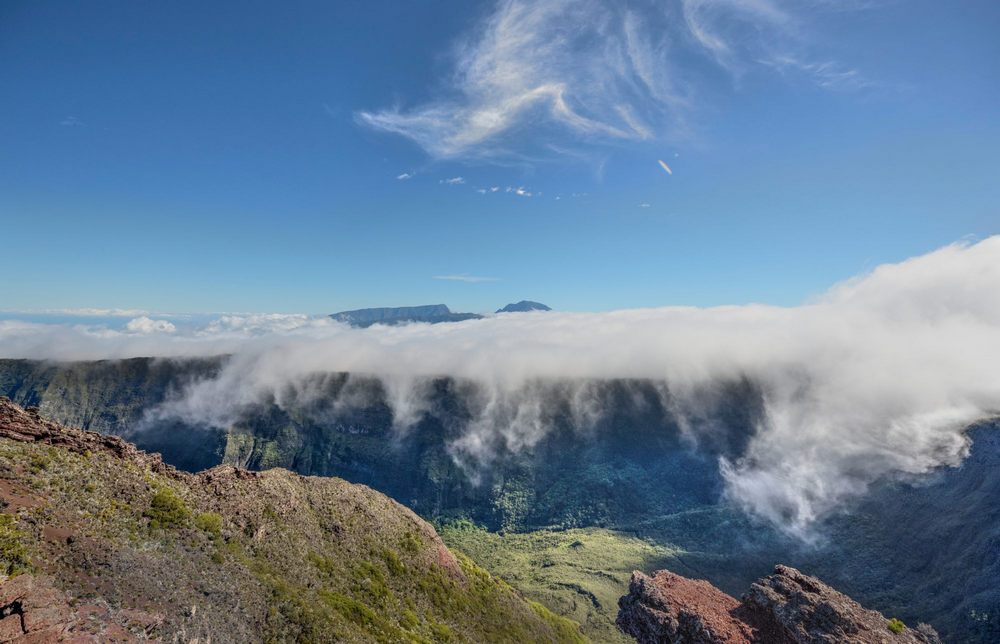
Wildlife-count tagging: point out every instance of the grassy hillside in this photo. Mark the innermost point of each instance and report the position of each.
(578, 573)
(268, 556)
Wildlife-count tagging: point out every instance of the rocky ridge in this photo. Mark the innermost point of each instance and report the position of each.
(100, 541)
(786, 607)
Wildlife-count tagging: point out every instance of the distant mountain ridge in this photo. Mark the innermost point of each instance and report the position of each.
(430, 313)
(523, 307)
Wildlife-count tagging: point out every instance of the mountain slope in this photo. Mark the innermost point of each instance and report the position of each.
(101, 540)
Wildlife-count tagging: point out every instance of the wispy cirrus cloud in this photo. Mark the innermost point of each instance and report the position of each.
(828, 74)
(464, 277)
(535, 74)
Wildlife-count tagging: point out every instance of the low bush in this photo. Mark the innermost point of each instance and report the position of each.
(167, 510)
(13, 552)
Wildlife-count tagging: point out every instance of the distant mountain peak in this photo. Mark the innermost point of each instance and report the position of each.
(524, 306)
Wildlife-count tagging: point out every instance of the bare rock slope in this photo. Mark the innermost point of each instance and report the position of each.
(786, 607)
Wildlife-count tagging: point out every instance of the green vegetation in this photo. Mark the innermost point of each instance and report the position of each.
(210, 523)
(39, 461)
(896, 625)
(167, 510)
(13, 549)
(578, 574)
(392, 562)
(392, 599)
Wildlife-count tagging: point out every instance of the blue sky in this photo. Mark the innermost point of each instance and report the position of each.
(197, 157)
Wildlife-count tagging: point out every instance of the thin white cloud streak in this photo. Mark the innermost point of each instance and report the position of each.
(665, 167)
(454, 181)
(828, 75)
(534, 74)
(877, 377)
(471, 279)
(86, 312)
(404, 176)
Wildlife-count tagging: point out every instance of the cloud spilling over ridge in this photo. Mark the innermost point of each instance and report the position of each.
(599, 71)
(878, 376)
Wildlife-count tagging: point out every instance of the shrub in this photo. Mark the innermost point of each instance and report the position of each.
(369, 579)
(896, 625)
(209, 522)
(167, 510)
(392, 562)
(441, 632)
(13, 553)
(39, 462)
(410, 543)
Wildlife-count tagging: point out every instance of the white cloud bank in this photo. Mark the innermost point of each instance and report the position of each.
(600, 70)
(877, 377)
(148, 325)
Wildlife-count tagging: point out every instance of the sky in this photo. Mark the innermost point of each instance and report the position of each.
(310, 157)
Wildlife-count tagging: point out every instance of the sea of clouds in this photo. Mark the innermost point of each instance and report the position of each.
(877, 377)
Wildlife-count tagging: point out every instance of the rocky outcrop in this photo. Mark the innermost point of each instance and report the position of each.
(33, 610)
(29, 608)
(787, 607)
(670, 608)
(27, 426)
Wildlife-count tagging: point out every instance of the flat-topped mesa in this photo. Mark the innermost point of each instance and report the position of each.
(26, 426)
(430, 313)
(787, 607)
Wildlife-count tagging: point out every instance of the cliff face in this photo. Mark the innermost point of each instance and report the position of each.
(102, 542)
(113, 396)
(630, 466)
(786, 607)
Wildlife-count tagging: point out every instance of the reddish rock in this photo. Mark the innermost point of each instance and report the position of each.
(32, 610)
(25, 425)
(786, 607)
(671, 608)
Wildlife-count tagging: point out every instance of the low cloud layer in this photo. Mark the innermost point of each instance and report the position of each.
(879, 376)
